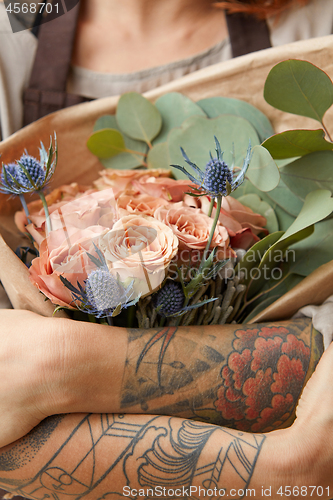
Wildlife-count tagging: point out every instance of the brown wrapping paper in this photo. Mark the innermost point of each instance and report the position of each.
(241, 78)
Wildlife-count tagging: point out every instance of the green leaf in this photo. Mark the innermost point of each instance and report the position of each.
(174, 108)
(310, 172)
(137, 117)
(158, 156)
(105, 121)
(315, 250)
(260, 307)
(123, 161)
(284, 219)
(317, 206)
(294, 143)
(105, 143)
(216, 106)
(255, 254)
(282, 197)
(196, 136)
(263, 171)
(300, 88)
(263, 208)
(268, 268)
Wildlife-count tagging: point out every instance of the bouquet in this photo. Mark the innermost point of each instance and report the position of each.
(245, 220)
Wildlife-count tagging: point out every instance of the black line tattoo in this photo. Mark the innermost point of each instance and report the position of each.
(144, 452)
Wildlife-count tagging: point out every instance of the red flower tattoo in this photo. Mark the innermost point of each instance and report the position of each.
(262, 379)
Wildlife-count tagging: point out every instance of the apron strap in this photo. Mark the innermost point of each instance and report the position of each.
(247, 34)
(47, 88)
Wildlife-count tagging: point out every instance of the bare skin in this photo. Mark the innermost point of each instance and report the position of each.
(248, 379)
(96, 456)
(157, 31)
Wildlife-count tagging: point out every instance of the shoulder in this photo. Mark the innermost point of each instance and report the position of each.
(312, 20)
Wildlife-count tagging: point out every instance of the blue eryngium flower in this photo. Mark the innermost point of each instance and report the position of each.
(28, 175)
(103, 296)
(217, 179)
(169, 300)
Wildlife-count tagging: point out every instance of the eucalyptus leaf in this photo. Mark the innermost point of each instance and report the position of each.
(300, 88)
(263, 171)
(105, 121)
(158, 156)
(137, 117)
(294, 143)
(282, 197)
(263, 208)
(310, 172)
(105, 143)
(196, 137)
(109, 121)
(174, 108)
(284, 219)
(216, 106)
(126, 160)
(123, 161)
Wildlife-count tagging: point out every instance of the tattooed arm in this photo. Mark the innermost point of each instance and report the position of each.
(104, 457)
(248, 379)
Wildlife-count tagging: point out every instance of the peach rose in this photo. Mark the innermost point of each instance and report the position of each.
(192, 228)
(243, 225)
(140, 203)
(122, 180)
(93, 208)
(54, 200)
(139, 248)
(160, 187)
(64, 252)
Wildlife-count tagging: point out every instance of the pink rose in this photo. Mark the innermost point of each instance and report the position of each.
(160, 187)
(192, 228)
(64, 252)
(139, 248)
(122, 180)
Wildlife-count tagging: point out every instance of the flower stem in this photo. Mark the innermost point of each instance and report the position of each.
(25, 206)
(211, 206)
(216, 218)
(46, 210)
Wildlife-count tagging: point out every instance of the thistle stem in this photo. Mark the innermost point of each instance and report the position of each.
(46, 210)
(216, 218)
(109, 320)
(25, 206)
(211, 206)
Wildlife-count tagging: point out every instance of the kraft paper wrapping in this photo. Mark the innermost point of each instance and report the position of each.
(241, 78)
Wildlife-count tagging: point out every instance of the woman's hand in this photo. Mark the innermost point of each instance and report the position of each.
(31, 349)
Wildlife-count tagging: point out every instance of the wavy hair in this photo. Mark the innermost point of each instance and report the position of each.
(260, 8)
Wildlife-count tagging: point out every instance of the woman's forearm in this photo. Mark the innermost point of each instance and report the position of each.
(236, 375)
(243, 377)
(108, 456)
